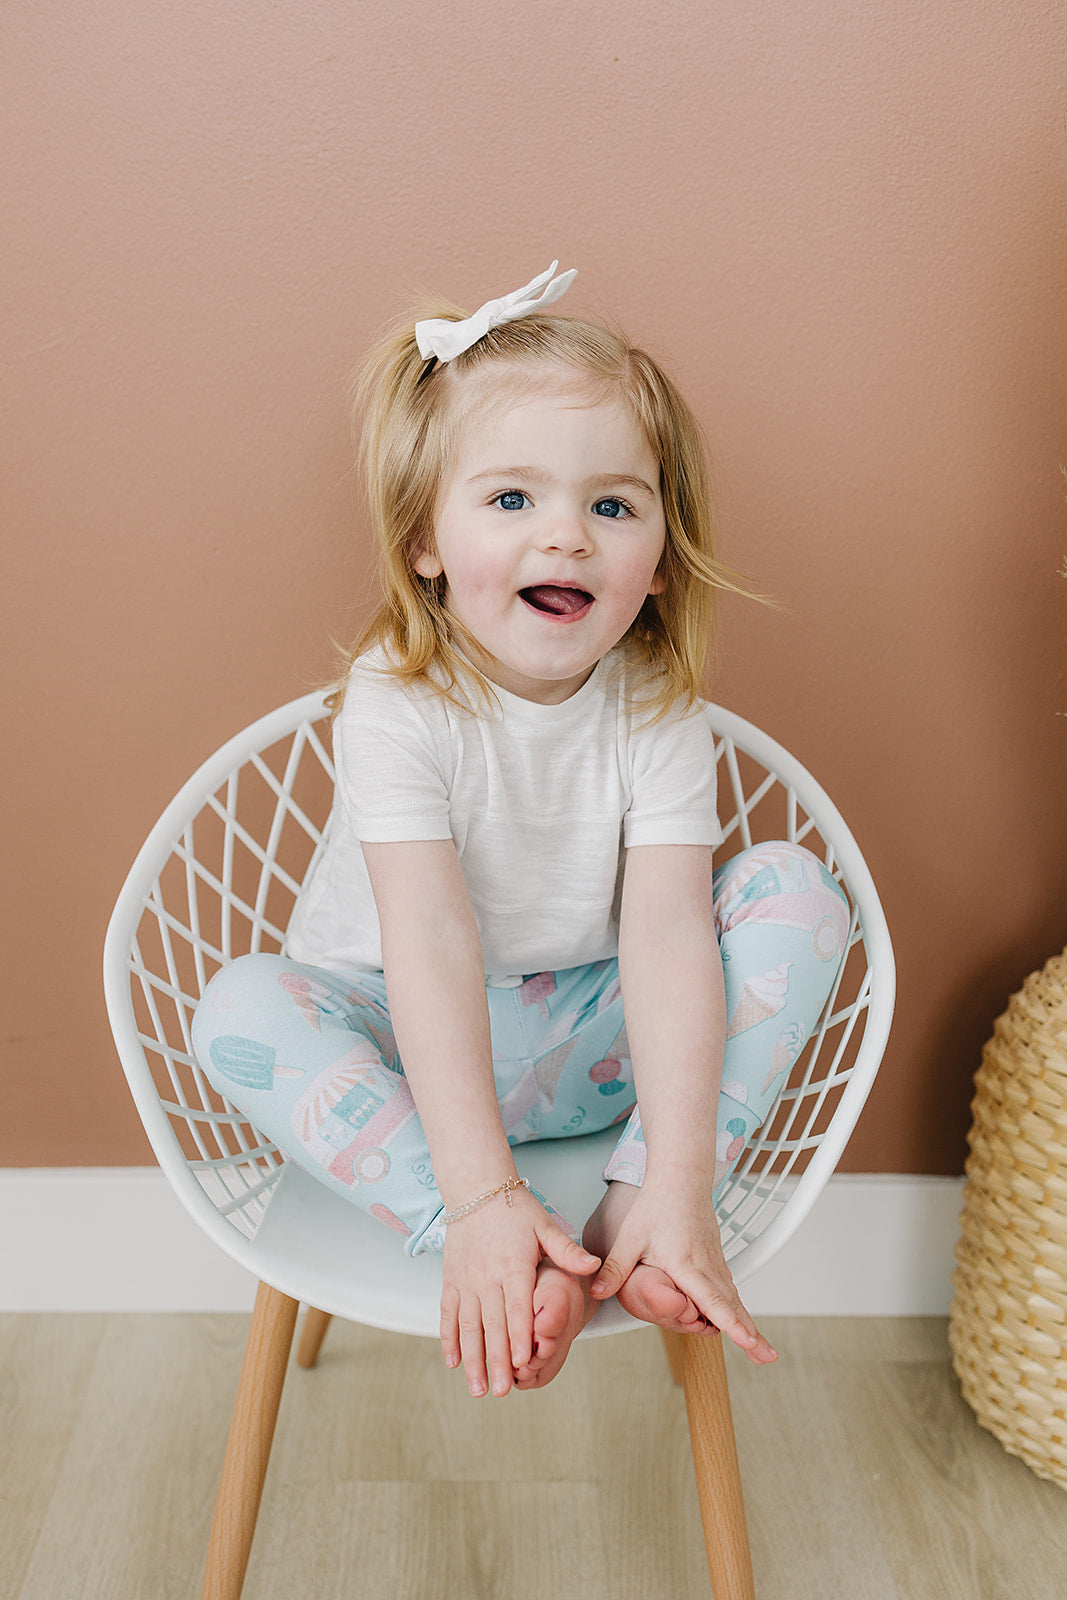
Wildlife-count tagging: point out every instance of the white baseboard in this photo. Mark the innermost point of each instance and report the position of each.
(116, 1239)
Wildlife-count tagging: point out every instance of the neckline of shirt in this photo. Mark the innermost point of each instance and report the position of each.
(517, 709)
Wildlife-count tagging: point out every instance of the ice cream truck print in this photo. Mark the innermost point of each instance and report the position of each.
(347, 1118)
(354, 1111)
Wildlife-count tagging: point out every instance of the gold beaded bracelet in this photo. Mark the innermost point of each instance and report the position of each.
(504, 1188)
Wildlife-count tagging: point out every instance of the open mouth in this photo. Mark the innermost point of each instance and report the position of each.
(557, 600)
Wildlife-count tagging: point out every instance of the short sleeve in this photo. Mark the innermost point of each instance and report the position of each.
(393, 778)
(672, 783)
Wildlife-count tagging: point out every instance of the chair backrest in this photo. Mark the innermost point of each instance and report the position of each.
(219, 875)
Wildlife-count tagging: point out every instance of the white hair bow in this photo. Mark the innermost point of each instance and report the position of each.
(446, 340)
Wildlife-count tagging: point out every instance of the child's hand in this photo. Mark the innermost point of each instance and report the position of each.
(679, 1235)
(490, 1267)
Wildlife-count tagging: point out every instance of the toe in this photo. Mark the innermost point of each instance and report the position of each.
(558, 1301)
(559, 1312)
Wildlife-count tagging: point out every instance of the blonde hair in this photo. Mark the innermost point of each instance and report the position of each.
(410, 418)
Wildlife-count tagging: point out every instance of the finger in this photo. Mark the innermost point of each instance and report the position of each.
(450, 1328)
(626, 1252)
(518, 1305)
(472, 1346)
(566, 1253)
(730, 1317)
(615, 1271)
(752, 1342)
(762, 1352)
(692, 1320)
(497, 1343)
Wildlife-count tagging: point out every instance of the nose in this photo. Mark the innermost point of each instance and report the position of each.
(567, 534)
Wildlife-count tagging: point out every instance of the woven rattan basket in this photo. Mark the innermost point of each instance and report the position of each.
(1008, 1327)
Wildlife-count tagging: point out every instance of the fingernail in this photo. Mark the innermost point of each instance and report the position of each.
(477, 1388)
(451, 1361)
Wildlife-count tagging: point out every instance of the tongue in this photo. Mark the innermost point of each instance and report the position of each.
(549, 598)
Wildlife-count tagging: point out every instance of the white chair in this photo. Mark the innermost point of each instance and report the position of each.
(218, 876)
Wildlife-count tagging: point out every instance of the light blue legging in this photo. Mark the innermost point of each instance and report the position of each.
(309, 1056)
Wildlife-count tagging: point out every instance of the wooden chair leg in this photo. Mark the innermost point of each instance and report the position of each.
(672, 1343)
(711, 1432)
(314, 1331)
(244, 1468)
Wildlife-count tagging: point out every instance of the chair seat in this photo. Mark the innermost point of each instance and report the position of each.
(309, 1233)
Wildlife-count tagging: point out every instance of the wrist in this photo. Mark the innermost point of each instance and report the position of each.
(462, 1182)
(505, 1189)
(469, 1156)
(683, 1180)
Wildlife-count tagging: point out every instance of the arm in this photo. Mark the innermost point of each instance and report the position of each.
(432, 956)
(675, 1007)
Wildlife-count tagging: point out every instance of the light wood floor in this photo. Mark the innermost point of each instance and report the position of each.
(866, 1476)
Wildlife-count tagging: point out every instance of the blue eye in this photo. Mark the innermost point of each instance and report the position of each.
(612, 507)
(511, 500)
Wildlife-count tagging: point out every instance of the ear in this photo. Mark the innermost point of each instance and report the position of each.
(659, 582)
(424, 559)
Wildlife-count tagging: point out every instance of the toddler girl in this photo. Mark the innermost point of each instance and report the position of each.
(514, 930)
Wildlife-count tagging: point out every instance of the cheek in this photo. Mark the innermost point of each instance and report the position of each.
(641, 578)
(476, 574)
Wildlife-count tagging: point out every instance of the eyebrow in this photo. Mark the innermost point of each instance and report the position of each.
(602, 480)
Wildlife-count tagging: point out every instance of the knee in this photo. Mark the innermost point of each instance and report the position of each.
(248, 979)
(774, 864)
(801, 867)
(777, 881)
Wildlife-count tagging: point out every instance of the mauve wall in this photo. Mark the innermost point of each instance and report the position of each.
(842, 225)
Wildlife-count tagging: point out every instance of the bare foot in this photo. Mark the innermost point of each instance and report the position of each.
(562, 1307)
(648, 1293)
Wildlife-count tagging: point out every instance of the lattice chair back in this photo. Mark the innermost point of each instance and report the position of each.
(219, 875)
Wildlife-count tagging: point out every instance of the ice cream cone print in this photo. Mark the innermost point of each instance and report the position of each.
(384, 1038)
(761, 998)
(619, 1048)
(550, 1067)
(305, 995)
(735, 1089)
(785, 1051)
(609, 996)
(520, 1100)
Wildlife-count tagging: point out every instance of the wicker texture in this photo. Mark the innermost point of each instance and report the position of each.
(1008, 1327)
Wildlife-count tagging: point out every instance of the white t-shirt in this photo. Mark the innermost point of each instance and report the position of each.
(540, 800)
